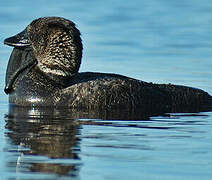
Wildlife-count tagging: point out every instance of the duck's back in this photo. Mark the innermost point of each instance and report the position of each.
(109, 91)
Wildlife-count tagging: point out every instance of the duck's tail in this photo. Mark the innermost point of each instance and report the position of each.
(207, 106)
(186, 99)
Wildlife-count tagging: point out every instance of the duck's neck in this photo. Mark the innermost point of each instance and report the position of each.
(61, 57)
(58, 80)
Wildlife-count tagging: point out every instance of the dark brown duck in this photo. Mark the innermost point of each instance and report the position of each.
(43, 71)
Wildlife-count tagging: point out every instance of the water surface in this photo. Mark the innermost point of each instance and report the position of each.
(156, 41)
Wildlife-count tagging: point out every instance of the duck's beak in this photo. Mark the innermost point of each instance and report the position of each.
(19, 40)
(21, 58)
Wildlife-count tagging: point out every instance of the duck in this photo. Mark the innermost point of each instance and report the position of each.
(43, 71)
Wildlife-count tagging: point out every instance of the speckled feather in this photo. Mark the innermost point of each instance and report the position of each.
(57, 46)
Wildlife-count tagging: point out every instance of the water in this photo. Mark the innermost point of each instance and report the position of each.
(159, 41)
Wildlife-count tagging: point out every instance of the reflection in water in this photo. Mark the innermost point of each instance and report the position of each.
(51, 142)
(37, 134)
(47, 139)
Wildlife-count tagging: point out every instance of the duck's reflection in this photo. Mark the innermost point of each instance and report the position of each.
(48, 142)
(50, 138)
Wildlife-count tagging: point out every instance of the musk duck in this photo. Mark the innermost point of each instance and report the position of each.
(43, 71)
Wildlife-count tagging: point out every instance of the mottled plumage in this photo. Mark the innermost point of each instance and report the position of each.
(54, 50)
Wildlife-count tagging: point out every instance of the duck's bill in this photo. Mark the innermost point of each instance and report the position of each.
(19, 40)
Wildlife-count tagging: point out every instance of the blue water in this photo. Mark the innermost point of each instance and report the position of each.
(159, 41)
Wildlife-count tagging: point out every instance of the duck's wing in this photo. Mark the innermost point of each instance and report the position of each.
(109, 91)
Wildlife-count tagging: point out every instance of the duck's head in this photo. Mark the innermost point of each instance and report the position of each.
(56, 45)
